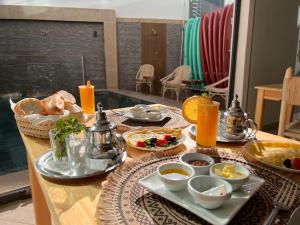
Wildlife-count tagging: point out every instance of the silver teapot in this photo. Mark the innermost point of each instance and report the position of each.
(104, 141)
(236, 124)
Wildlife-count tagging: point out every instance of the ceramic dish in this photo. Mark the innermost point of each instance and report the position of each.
(199, 170)
(272, 153)
(172, 180)
(164, 114)
(236, 183)
(201, 189)
(44, 166)
(220, 216)
(220, 138)
(132, 136)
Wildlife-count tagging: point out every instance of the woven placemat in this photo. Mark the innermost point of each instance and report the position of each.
(124, 201)
(173, 120)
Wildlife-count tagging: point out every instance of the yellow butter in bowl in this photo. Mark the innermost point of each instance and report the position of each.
(229, 171)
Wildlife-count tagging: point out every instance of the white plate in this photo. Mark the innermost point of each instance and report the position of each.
(220, 216)
(155, 149)
(220, 138)
(281, 168)
(163, 115)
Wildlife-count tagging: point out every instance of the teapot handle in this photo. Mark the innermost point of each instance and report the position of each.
(251, 127)
(119, 143)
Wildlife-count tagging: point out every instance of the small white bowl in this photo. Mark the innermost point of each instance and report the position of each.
(236, 183)
(138, 112)
(197, 185)
(153, 114)
(199, 170)
(175, 184)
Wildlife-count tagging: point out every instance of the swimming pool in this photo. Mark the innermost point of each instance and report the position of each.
(12, 150)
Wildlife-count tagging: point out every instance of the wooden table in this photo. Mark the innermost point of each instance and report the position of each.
(271, 92)
(76, 202)
(266, 92)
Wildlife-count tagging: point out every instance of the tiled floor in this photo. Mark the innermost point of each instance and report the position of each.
(17, 213)
(14, 181)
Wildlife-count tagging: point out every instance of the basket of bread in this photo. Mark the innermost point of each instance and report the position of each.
(36, 117)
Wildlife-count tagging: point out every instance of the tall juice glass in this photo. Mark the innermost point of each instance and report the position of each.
(87, 98)
(207, 124)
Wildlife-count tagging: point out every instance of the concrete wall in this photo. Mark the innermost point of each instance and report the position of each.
(43, 56)
(173, 46)
(273, 49)
(130, 51)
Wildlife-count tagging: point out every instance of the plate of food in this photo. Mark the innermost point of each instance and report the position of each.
(153, 138)
(279, 155)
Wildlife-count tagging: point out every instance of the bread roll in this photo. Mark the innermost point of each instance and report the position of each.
(53, 105)
(28, 106)
(68, 98)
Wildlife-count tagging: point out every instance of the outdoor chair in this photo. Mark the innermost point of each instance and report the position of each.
(173, 81)
(145, 75)
(290, 97)
(213, 90)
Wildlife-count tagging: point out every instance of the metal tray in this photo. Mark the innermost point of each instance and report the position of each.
(220, 138)
(65, 176)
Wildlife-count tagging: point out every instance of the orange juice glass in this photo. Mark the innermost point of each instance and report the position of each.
(87, 98)
(207, 124)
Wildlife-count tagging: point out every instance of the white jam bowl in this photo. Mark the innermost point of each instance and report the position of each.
(153, 114)
(236, 183)
(197, 185)
(199, 170)
(175, 184)
(138, 112)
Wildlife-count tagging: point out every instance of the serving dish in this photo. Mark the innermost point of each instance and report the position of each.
(220, 216)
(173, 181)
(164, 114)
(45, 166)
(236, 183)
(220, 138)
(209, 192)
(192, 156)
(131, 137)
(272, 153)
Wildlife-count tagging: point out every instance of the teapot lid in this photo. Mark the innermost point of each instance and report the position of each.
(101, 123)
(236, 108)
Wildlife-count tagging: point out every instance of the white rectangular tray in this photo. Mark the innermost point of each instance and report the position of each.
(220, 216)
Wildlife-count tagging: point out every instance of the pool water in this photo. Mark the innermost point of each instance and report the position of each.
(12, 150)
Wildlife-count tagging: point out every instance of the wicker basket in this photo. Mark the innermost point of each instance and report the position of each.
(40, 130)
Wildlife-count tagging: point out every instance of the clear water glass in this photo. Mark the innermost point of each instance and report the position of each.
(77, 151)
(58, 149)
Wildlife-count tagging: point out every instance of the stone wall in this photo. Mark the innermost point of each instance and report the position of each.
(129, 53)
(44, 56)
(173, 46)
(40, 57)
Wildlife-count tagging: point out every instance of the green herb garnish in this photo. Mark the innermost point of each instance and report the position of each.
(63, 128)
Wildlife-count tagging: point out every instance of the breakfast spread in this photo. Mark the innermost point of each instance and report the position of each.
(55, 104)
(280, 155)
(198, 162)
(293, 163)
(175, 174)
(153, 138)
(229, 171)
